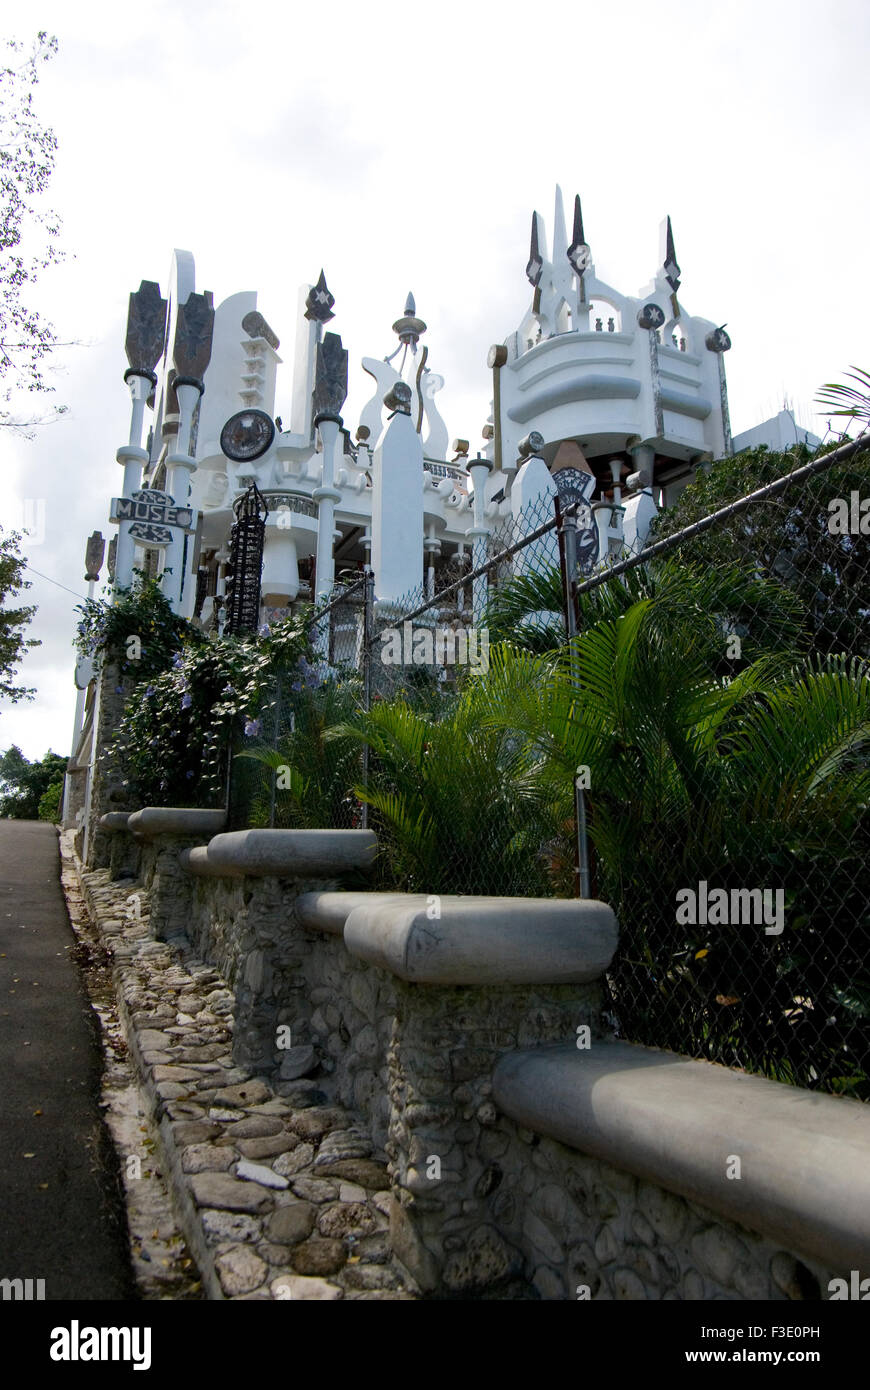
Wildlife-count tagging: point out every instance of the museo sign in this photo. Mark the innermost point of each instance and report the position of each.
(153, 514)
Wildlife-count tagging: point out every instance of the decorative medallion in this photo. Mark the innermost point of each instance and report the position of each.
(573, 485)
(650, 317)
(718, 340)
(149, 534)
(247, 435)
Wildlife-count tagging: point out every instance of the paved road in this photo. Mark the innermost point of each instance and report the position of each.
(60, 1215)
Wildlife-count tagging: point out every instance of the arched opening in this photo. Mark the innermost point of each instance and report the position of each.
(604, 317)
(674, 335)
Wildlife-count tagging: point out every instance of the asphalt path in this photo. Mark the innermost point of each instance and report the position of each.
(61, 1215)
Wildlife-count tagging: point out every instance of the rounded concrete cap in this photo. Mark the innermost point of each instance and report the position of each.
(176, 820)
(195, 861)
(328, 912)
(291, 853)
(484, 941)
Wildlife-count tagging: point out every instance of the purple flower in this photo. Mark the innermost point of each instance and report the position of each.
(253, 728)
(186, 701)
(265, 630)
(150, 690)
(188, 775)
(176, 660)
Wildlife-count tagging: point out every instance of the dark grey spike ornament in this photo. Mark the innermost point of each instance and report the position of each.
(535, 266)
(320, 302)
(672, 269)
(330, 378)
(578, 252)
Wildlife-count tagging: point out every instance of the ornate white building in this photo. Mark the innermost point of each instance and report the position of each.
(617, 387)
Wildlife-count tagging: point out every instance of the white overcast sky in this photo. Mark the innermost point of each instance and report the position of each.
(404, 147)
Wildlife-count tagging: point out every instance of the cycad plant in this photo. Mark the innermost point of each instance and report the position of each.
(753, 777)
(453, 800)
(311, 774)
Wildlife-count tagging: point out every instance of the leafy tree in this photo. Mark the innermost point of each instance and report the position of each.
(757, 778)
(24, 784)
(13, 644)
(50, 801)
(28, 231)
(787, 538)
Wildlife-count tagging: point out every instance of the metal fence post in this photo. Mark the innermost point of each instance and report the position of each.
(368, 624)
(566, 525)
(275, 718)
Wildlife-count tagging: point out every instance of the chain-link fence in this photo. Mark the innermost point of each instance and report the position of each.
(682, 732)
(730, 778)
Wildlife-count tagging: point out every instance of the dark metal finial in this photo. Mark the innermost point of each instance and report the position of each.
(578, 252)
(320, 302)
(672, 270)
(409, 327)
(535, 267)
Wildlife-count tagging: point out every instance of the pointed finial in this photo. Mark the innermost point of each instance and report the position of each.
(672, 270)
(578, 252)
(318, 305)
(409, 327)
(535, 267)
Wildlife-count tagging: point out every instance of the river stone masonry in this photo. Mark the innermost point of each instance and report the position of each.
(279, 1197)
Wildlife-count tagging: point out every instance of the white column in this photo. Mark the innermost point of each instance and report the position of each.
(326, 496)
(178, 470)
(132, 458)
(479, 469)
(179, 467)
(431, 547)
(397, 503)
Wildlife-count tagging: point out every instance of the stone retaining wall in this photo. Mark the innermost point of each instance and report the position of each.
(477, 1200)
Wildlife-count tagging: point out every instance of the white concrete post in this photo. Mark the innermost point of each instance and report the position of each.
(326, 496)
(179, 467)
(132, 458)
(479, 468)
(397, 503)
